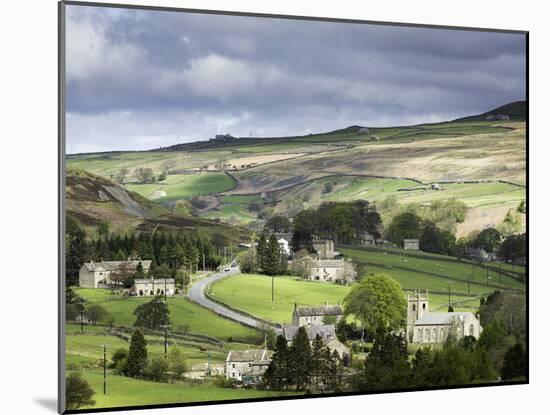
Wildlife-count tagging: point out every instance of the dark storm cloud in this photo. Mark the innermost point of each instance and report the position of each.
(138, 79)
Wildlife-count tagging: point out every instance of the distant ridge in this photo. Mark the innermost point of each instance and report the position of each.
(516, 110)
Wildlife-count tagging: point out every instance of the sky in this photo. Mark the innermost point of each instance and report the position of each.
(142, 79)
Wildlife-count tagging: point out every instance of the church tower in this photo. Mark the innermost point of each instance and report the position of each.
(417, 306)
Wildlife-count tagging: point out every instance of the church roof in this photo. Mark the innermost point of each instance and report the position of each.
(441, 318)
(116, 265)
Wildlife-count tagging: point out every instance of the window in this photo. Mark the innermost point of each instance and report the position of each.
(419, 335)
(471, 329)
(233, 374)
(414, 307)
(233, 365)
(427, 334)
(423, 306)
(434, 334)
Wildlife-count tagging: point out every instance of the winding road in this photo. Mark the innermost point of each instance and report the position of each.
(197, 293)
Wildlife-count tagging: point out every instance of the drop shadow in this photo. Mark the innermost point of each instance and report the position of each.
(48, 403)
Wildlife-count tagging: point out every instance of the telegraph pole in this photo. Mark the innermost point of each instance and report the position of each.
(469, 283)
(449, 294)
(224, 255)
(82, 315)
(165, 327)
(104, 369)
(203, 262)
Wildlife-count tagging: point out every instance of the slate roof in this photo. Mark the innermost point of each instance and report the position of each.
(328, 263)
(440, 318)
(115, 265)
(248, 356)
(332, 310)
(157, 281)
(326, 331)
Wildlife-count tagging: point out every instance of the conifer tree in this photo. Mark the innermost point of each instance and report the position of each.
(300, 359)
(137, 355)
(277, 374)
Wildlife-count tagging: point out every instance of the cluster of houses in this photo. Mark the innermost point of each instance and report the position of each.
(248, 366)
(497, 117)
(108, 274)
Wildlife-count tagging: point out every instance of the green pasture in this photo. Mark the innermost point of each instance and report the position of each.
(125, 391)
(184, 315)
(181, 186)
(458, 270)
(252, 293)
(236, 214)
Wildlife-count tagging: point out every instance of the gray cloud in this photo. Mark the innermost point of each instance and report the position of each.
(141, 79)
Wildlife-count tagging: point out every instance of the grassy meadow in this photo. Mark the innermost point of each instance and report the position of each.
(125, 391)
(184, 315)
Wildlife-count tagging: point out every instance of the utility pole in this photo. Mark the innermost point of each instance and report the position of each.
(165, 327)
(487, 273)
(82, 315)
(272, 288)
(104, 369)
(203, 262)
(208, 367)
(224, 255)
(449, 294)
(165, 288)
(469, 283)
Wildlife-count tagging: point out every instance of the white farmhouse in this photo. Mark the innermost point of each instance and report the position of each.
(247, 366)
(98, 274)
(151, 286)
(424, 327)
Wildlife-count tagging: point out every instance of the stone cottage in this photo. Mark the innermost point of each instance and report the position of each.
(151, 286)
(99, 274)
(311, 316)
(247, 366)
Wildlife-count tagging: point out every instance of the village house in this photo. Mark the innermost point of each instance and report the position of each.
(99, 274)
(412, 244)
(425, 327)
(497, 117)
(366, 238)
(247, 366)
(326, 332)
(311, 316)
(152, 286)
(363, 130)
(327, 268)
(477, 254)
(284, 240)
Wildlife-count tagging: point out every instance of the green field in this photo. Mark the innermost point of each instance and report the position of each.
(252, 293)
(453, 271)
(184, 315)
(182, 186)
(124, 391)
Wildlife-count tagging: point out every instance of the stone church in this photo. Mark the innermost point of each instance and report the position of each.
(424, 327)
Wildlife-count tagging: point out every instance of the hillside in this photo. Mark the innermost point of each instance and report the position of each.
(91, 199)
(517, 111)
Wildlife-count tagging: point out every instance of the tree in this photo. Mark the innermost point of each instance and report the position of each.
(271, 262)
(511, 224)
(515, 363)
(387, 365)
(137, 354)
(79, 393)
(279, 224)
(261, 250)
(153, 314)
(378, 302)
(404, 226)
(157, 370)
(247, 262)
(493, 335)
(118, 356)
(177, 363)
(300, 359)
(301, 266)
(522, 207)
(514, 247)
(488, 239)
(277, 375)
(95, 313)
(124, 273)
(318, 360)
(328, 187)
(437, 241)
(144, 174)
(121, 175)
